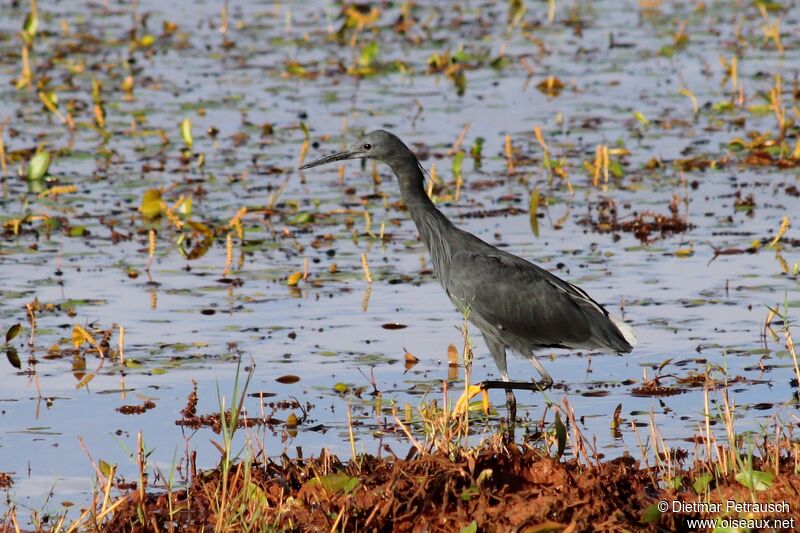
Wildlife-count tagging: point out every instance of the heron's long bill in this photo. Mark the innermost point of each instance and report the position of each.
(338, 156)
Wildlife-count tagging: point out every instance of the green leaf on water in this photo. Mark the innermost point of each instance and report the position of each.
(97, 88)
(737, 145)
(13, 357)
(186, 132)
(458, 159)
(533, 210)
(185, 207)
(769, 5)
(546, 161)
(12, 332)
(341, 388)
(38, 165)
(368, 54)
(36, 186)
(643, 120)
(667, 51)
(302, 218)
(500, 62)
(151, 203)
(77, 231)
(476, 406)
(616, 169)
(50, 99)
(561, 435)
(462, 56)
(723, 107)
(107, 469)
(147, 40)
(676, 482)
(664, 363)
(516, 10)
(477, 148)
(761, 110)
(755, 479)
(295, 69)
(84, 382)
(460, 81)
(30, 25)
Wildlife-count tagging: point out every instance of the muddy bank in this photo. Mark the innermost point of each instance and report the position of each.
(493, 488)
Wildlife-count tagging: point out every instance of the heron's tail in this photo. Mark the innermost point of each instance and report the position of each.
(625, 330)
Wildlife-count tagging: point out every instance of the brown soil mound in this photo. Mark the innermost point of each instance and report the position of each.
(498, 488)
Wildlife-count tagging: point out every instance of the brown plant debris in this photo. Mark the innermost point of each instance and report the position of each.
(499, 488)
(653, 388)
(137, 409)
(190, 418)
(645, 225)
(190, 410)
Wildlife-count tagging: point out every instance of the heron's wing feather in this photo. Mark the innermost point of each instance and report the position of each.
(521, 298)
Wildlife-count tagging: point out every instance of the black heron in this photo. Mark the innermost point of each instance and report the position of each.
(515, 304)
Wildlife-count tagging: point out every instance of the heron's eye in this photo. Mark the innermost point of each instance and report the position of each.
(367, 146)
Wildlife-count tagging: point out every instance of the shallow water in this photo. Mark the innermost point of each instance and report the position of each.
(697, 310)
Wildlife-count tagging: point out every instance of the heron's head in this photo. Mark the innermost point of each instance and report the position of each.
(378, 144)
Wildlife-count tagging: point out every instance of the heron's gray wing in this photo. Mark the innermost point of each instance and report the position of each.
(517, 297)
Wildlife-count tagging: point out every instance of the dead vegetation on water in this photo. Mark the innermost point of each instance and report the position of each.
(645, 225)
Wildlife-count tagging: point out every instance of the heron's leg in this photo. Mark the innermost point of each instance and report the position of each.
(547, 380)
(498, 351)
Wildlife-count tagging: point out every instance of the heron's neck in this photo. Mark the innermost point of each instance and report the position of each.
(433, 226)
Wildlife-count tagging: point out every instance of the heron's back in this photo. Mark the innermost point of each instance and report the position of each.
(523, 306)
